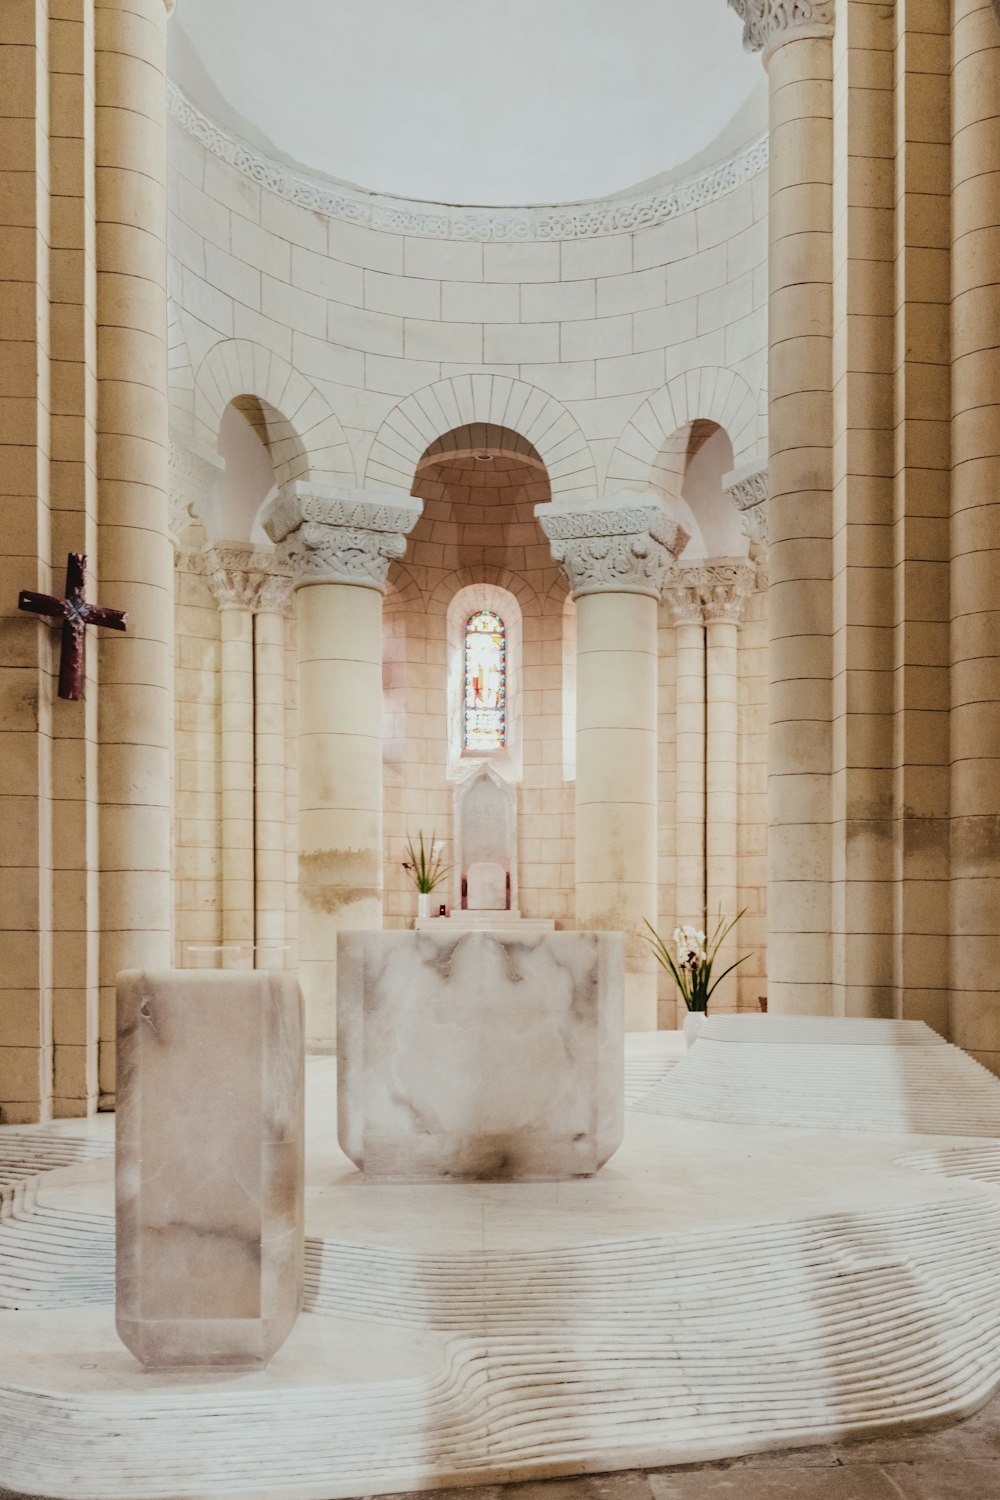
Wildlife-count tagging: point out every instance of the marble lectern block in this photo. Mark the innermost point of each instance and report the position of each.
(209, 1168)
(482, 1055)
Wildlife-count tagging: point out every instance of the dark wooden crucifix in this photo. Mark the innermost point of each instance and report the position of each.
(76, 614)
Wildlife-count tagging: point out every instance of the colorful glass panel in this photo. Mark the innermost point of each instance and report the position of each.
(485, 682)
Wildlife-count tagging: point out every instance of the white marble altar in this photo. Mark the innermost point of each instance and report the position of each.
(209, 1172)
(480, 1055)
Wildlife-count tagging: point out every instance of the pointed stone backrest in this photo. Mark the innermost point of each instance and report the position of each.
(486, 835)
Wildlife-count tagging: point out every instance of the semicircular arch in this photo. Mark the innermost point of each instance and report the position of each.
(306, 440)
(642, 456)
(498, 400)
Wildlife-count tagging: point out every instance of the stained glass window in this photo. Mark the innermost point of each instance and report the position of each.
(485, 682)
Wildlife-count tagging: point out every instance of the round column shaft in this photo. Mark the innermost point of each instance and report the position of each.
(135, 559)
(237, 766)
(339, 544)
(616, 553)
(975, 533)
(270, 851)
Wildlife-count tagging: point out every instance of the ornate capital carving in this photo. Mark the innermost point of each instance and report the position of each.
(191, 480)
(748, 489)
(242, 576)
(625, 544)
(713, 590)
(339, 535)
(768, 23)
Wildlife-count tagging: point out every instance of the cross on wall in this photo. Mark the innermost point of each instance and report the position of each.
(76, 614)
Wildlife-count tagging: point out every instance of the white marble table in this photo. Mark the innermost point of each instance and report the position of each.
(485, 1056)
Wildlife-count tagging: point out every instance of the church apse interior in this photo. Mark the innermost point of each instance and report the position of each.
(499, 497)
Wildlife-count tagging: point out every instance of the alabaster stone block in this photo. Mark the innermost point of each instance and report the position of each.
(484, 1056)
(209, 1170)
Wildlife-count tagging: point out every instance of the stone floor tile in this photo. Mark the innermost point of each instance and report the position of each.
(863, 1482)
(946, 1479)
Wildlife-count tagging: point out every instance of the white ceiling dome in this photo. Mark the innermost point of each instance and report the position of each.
(475, 101)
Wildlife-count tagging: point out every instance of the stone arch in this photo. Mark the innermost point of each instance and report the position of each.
(293, 418)
(469, 578)
(642, 459)
(426, 415)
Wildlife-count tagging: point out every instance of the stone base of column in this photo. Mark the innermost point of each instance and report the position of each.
(209, 1174)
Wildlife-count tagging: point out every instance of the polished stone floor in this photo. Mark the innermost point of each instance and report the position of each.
(961, 1462)
(796, 1240)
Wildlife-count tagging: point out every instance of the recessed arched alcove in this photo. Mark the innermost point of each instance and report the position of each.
(478, 547)
(691, 466)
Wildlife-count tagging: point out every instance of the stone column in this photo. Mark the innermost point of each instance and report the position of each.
(796, 39)
(728, 587)
(684, 601)
(246, 580)
(136, 562)
(975, 532)
(339, 544)
(616, 553)
(270, 825)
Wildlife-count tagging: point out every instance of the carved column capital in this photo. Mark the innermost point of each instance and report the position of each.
(242, 576)
(714, 590)
(191, 479)
(749, 492)
(340, 535)
(769, 23)
(625, 544)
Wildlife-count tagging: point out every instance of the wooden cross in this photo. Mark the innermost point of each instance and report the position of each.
(76, 614)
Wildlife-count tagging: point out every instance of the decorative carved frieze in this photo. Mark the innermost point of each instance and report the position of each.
(623, 545)
(768, 23)
(242, 576)
(191, 479)
(748, 488)
(339, 536)
(566, 221)
(714, 590)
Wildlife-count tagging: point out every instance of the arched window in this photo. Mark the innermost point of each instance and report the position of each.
(485, 682)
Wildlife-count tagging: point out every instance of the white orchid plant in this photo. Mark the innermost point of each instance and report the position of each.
(424, 863)
(690, 964)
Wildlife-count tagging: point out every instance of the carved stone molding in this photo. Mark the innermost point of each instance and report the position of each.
(242, 576)
(625, 544)
(564, 221)
(768, 23)
(748, 489)
(191, 480)
(714, 590)
(339, 535)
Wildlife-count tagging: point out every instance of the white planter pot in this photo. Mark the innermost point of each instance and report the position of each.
(424, 903)
(693, 1022)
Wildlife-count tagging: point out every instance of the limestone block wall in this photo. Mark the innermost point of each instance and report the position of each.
(598, 335)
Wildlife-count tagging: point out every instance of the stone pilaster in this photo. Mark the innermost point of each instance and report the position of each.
(616, 554)
(338, 544)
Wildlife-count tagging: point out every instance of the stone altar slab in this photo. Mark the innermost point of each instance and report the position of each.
(483, 1056)
(209, 1166)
